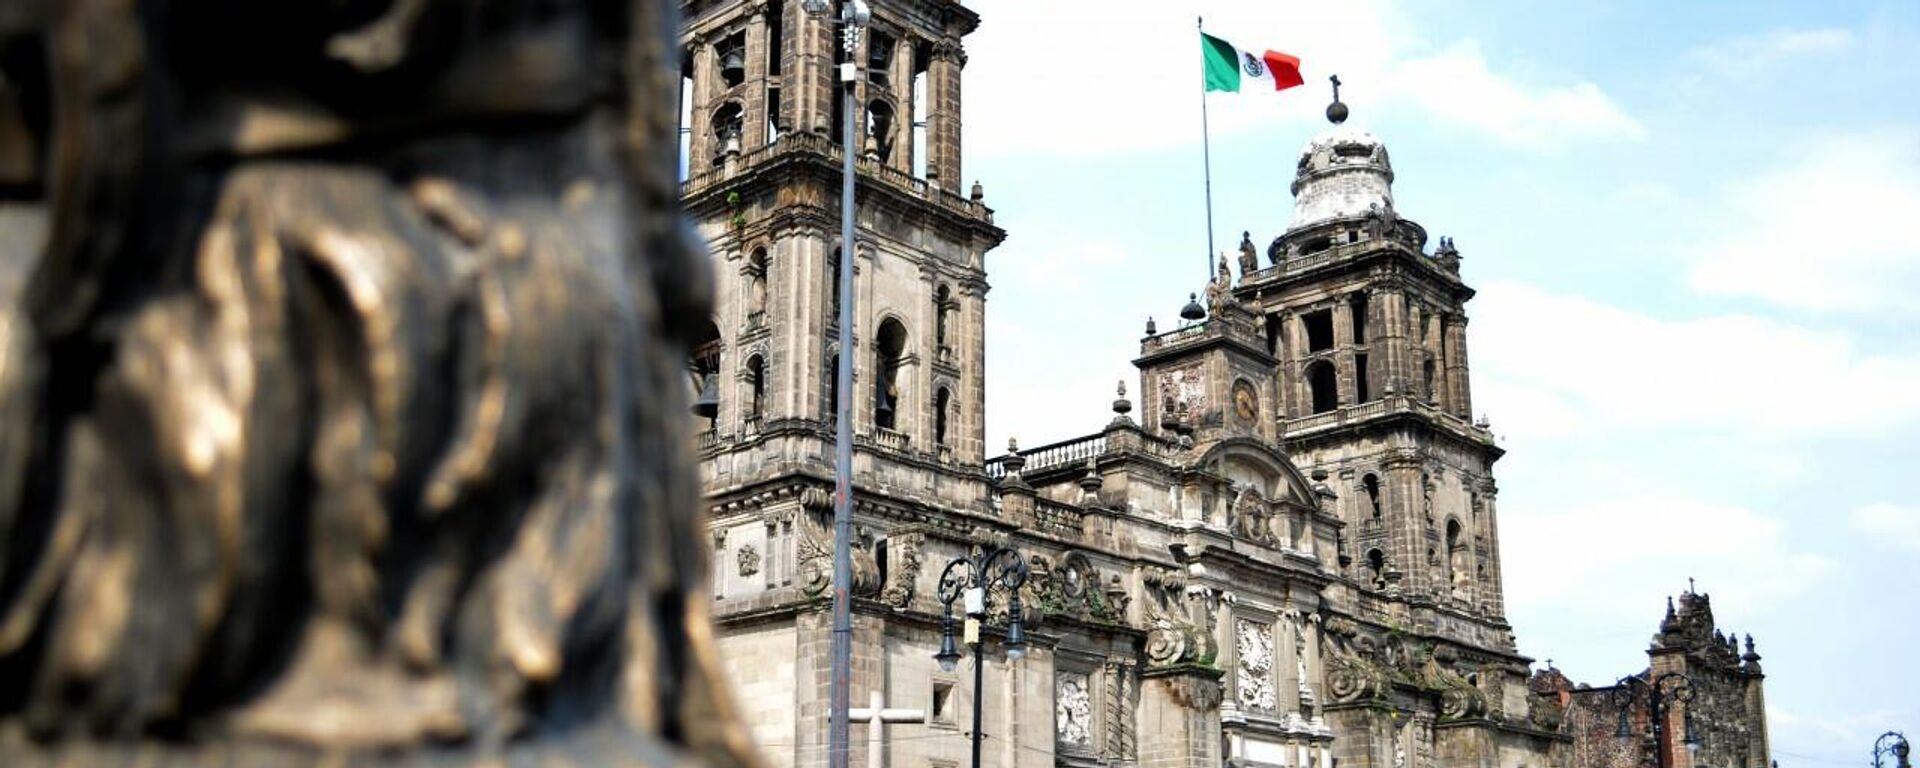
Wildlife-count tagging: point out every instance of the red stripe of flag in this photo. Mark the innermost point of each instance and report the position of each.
(1285, 69)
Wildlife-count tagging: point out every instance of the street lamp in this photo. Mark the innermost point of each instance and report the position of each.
(974, 578)
(1898, 749)
(1662, 693)
(854, 15)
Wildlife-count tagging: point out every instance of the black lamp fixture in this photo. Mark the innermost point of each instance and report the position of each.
(972, 580)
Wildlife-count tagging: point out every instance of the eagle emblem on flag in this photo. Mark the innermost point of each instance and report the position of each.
(1254, 67)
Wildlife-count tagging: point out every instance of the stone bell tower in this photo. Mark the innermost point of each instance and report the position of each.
(762, 105)
(1367, 326)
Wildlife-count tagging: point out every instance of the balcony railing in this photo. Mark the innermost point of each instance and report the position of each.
(806, 143)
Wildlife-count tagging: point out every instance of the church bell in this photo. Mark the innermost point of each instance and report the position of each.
(708, 404)
(733, 65)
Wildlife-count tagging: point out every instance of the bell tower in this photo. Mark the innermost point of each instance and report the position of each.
(1369, 330)
(762, 104)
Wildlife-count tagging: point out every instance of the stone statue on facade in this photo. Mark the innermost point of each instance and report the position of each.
(1249, 257)
(342, 391)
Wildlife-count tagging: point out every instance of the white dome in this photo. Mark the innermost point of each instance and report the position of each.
(1343, 172)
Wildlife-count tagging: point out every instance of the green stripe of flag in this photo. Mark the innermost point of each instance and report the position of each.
(1223, 63)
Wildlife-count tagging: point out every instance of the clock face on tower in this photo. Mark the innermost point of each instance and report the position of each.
(1246, 402)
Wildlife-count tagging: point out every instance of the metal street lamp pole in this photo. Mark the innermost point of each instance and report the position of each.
(1898, 748)
(1002, 567)
(1662, 693)
(854, 15)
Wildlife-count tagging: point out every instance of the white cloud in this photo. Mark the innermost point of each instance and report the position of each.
(1745, 58)
(1457, 86)
(1894, 526)
(1133, 81)
(1556, 365)
(1827, 231)
(1611, 555)
(1848, 729)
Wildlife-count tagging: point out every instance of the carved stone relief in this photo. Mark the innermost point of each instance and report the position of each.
(1073, 710)
(1253, 679)
(748, 559)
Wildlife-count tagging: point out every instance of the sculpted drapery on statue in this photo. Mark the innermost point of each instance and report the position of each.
(341, 387)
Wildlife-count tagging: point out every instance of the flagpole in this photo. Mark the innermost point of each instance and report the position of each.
(1206, 151)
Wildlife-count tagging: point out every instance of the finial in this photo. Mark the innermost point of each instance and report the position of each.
(1013, 445)
(1669, 606)
(979, 192)
(1121, 405)
(1336, 112)
(1690, 586)
(1151, 328)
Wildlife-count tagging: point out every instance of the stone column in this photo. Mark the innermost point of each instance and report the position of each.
(700, 144)
(753, 125)
(1460, 402)
(1343, 360)
(1490, 587)
(900, 78)
(807, 72)
(1392, 339)
(1406, 523)
(943, 114)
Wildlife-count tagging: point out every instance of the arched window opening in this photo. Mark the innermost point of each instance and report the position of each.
(1371, 483)
(1426, 373)
(942, 305)
(942, 400)
(891, 342)
(833, 287)
(756, 386)
(1377, 568)
(879, 141)
(879, 58)
(833, 389)
(705, 367)
(1324, 385)
(1456, 555)
(880, 559)
(757, 286)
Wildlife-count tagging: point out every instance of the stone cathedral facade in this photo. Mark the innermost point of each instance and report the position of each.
(1282, 550)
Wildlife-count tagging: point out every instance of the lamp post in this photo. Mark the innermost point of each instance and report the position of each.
(1898, 748)
(854, 15)
(1662, 693)
(974, 578)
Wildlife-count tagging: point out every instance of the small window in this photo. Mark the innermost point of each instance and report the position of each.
(1324, 386)
(1358, 308)
(756, 386)
(940, 710)
(886, 394)
(1377, 567)
(1360, 391)
(1319, 330)
(1371, 483)
(942, 400)
(1426, 373)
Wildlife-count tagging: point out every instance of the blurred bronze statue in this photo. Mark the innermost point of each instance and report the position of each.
(341, 387)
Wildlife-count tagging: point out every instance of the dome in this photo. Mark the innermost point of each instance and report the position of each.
(1343, 172)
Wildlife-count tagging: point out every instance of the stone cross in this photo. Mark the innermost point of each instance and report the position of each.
(878, 717)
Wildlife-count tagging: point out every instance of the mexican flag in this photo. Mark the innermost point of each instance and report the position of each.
(1233, 69)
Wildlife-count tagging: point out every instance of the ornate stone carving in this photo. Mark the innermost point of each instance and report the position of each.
(904, 558)
(355, 367)
(1072, 589)
(1122, 698)
(1183, 395)
(1252, 519)
(1253, 680)
(748, 559)
(1170, 635)
(1073, 710)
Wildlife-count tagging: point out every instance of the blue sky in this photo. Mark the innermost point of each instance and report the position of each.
(1695, 228)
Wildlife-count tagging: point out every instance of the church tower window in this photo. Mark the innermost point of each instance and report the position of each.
(1456, 555)
(1319, 330)
(942, 305)
(942, 400)
(891, 343)
(1358, 306)
(1324, 386)
(1371, 483)
(756, 386)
